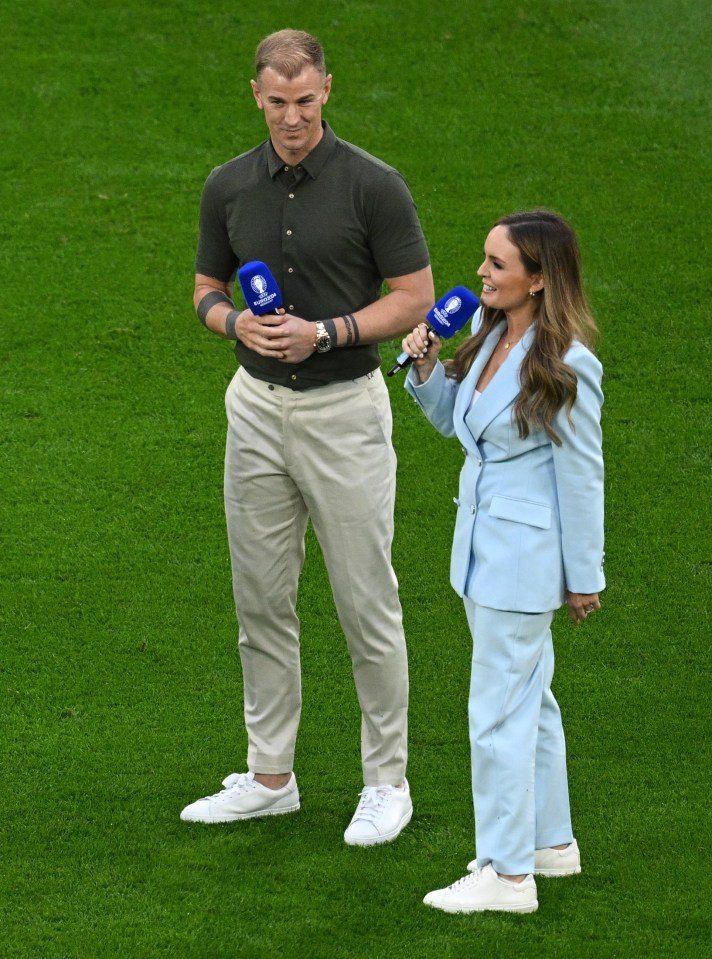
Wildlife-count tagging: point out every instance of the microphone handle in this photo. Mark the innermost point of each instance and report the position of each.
(404, 361)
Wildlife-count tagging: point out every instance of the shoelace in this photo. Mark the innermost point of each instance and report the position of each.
(471, 879)
(235, 781)
(373, 799)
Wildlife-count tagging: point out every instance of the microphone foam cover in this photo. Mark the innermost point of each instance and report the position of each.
(452, 311)
(259, 287)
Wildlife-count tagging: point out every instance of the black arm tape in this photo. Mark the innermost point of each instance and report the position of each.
(352, 331)
(330, 328)
(208, 302)
(230, 321)
(349, 331)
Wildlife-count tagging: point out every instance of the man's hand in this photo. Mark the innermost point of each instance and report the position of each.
(280, 336)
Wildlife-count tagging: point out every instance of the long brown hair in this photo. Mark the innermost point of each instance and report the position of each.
(547, 244)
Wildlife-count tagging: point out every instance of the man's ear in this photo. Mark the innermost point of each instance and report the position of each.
(256, 93)
(327, 89)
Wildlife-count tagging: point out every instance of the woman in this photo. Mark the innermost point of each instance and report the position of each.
(523, 397)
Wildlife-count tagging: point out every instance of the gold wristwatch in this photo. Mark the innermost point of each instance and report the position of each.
(323, 340)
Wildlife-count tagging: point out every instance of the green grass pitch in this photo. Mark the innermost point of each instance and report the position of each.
(120, 689)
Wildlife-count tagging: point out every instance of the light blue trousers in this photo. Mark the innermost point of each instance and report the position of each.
(519, 780)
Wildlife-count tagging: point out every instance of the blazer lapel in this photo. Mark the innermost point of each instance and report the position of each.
(502, 389)
(467, 388)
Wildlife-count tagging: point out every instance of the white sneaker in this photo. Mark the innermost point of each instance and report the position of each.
(243, 798)
(558, 862)
(382, 812)
(552, 862)
(483, 890)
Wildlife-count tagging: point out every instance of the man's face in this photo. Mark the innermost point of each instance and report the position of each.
(292, 110)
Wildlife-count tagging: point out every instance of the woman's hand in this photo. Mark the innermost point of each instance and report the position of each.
(423, 345)
(582, 605)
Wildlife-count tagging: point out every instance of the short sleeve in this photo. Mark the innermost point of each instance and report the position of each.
(215, 256)
(397, 243)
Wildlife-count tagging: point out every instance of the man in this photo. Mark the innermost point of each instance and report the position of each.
(309, 424)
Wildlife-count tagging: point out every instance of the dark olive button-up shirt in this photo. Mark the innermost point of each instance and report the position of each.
(330, 229)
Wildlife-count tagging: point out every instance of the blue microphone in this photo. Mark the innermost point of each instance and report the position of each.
(259, 287)
(446, 318)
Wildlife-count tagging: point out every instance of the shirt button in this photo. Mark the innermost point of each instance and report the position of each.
(291, 307)
(270, 387)
(291, 196)
(286, 169)
(294, 376)
(290, 270)
(289, 232)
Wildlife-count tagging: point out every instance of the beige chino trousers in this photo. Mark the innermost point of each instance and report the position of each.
(324, 454)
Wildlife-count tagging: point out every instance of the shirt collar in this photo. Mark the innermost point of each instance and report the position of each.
(313, 162)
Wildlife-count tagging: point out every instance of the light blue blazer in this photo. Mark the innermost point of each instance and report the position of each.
(529, 513)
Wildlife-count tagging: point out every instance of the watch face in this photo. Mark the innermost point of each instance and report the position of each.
(323, 340)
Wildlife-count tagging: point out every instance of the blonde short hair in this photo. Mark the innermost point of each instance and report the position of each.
(288, 52)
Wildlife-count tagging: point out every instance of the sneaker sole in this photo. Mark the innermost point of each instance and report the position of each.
(453, 910)
(387, 837)
(240, 816)
(545, 873)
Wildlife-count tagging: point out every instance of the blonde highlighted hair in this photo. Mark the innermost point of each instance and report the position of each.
(288, 52)
(547, 245)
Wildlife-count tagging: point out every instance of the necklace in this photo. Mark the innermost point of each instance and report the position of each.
(512, 342)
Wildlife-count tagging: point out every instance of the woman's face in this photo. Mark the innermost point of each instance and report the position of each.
(506, 283)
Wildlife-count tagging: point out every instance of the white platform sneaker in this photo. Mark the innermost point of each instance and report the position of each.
(483, 890)
(382, 812)
(558, 862)
(243, 798)
(552, 862)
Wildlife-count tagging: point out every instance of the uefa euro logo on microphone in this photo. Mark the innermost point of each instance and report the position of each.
(451, 307)
(264, 296)
(259, 287)
(259, 284)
